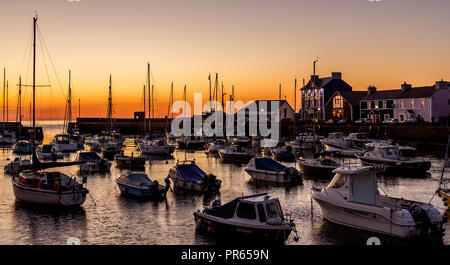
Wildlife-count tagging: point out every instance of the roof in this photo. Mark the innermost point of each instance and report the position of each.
(268, 106)
(382, 94)
(327, 82)
(418, 92)
(352, 97)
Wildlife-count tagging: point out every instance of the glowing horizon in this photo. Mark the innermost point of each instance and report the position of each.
(254, 45)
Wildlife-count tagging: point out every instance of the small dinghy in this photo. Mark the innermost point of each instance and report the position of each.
(47, 151)
(256, 218)
(235, 154)
(321, 168)
(22, 147)
(186, 175)
(138, 184)
(352, 199)
(93, 163)
(129, 162)
(17, 166)
(283, 153)
(269, 170)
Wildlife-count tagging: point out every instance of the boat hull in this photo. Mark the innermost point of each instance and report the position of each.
(237, 158)
(48, 197)
(414, 168)
(364, 220)
(230, 231)
(317, 172)
(270, 176)
(157, 150)
(135, 162)
(128, 190)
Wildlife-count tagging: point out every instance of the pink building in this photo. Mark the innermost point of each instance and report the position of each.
(432, 103)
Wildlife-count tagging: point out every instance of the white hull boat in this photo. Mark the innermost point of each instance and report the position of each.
(156, 147)
(352, 199)
(268, 170)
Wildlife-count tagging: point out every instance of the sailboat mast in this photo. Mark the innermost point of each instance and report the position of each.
(4, 80)
(295, 105)
(153, 105)
(110, 105)
(216, 85)
(79, 108)
(145, 125)
(210, 106)
(69, 103)
(149, 102)
(34, 79)
(19, 102)
(7, 101)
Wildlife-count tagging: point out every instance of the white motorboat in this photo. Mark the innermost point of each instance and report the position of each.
(335, 143)
(63, 143)
(388, 159)
(352, 199)
(269, 170)
(48, 151)
(93, 163)
(155, 147)
(191, 142)
(358, 140)
(404, 150)
(186, 175)
(256, 218)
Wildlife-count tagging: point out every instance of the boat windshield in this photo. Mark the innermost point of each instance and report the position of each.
(272, 209)
(338, 181)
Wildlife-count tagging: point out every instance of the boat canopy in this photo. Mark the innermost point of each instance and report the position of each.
(190, 172)
(139, 179)
(89, 156)
(225, 211)
(268, 164)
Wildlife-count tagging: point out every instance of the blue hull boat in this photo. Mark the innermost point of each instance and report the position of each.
(138, 184)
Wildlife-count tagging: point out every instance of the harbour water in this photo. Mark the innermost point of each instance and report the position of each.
(114, 219)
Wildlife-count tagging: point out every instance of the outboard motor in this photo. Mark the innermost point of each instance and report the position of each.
(426, 219)
(215, 203)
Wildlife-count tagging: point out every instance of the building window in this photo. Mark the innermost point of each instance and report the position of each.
(363, 105)
(422, 103)
(321, 91)
(386, 116)
(372, 104)
(389, 104)
(402, 118)
(337, 102)
(380, 104)
(285, 113)
(411, 103)
(402, 104)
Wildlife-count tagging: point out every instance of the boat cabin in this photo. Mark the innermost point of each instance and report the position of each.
(88, 157)
(358, 185)
(335, 135)
(385, 151)
(260, 208)
(358, 136)
(136, 178)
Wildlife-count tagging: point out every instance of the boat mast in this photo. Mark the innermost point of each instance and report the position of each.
(3, 119)
(79, 108)
(295, 105)
(145, 126)
(19, 102)
(153, 105)
(216, 86)
(34, 79)
(210, 104)
(109, 113)
(149, 102)
(7, 102)
(69, 103)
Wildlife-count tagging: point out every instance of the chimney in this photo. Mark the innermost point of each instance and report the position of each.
(314, 80)
(442, 84)
(405, 87)
(336, 75)
(371, 90)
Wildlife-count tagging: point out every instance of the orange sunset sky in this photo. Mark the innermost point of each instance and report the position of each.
(252, 44)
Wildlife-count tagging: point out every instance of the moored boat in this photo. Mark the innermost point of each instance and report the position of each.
(283, 153)
(156, 147)
(269, 170)
(321, 168)
(216, 145)
(47, 151)
(352, 199)
(92, 163)
(129, 162)
(138, 184)
(191, 142)
(256, 218)
(186, 175)
(63, 143)
(235, 154)
(22, 147)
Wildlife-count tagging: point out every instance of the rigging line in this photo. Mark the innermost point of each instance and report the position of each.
(45, 46)
(26, 49)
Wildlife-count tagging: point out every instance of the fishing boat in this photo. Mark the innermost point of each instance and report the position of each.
(283, 153)
(235, 154)
(17, 165)
(93, 163)
(191, 142)
(321, 168)
(216, 145)
(155, 147)
(22, 147)
(129, 162)
(335, 143)
(256, 218)
(186, 175)
(269, 170)
(138, 184)
(352, 199)
(48, 151)
(63, 143)
(304, 141)
(387, 158)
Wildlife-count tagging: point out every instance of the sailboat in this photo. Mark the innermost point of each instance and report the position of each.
(148, 145)
(46, 187)
(6, 137)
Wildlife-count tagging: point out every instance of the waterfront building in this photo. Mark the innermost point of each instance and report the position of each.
(344, 105)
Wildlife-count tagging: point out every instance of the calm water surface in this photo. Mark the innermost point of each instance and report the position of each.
(114, 219)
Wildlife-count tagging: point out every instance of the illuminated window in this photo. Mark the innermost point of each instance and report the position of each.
(422, 103)
(338, 102)
(411, 103)
(402, 104)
